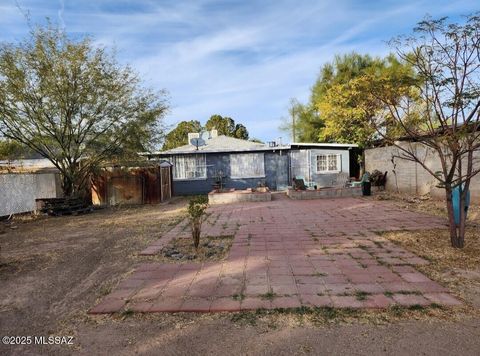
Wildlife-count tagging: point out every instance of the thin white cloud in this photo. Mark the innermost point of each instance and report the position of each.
(60, 14)
(243, 59)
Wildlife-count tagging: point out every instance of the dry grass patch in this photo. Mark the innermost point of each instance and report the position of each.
(434, 245)
(318, 316)
(210, 249)
(425, 204)
(456, 269)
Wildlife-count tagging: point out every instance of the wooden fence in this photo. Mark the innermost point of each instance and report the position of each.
(133, 185)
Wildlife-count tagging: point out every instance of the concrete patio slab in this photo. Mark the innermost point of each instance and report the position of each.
(287, 254)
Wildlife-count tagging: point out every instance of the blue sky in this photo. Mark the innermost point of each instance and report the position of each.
(243, 59)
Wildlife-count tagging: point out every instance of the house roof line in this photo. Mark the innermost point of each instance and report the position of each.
(324, 144)
(225, 144)
(169, 153)
(261, 149)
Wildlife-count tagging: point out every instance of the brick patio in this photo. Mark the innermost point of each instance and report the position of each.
(286, 254)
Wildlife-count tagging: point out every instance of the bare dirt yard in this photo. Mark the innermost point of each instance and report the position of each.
(53, 270)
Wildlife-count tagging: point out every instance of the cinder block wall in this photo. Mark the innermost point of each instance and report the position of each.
(410, 177)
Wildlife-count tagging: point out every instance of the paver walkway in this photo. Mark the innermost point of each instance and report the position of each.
(287, 254)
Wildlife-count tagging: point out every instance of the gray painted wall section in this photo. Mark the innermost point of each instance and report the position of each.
(304, 164)
(276, 173)
(323, 179)
(280, 167)
(276, 170)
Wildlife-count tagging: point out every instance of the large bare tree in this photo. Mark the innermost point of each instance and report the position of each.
(74, 104)
(438, 107)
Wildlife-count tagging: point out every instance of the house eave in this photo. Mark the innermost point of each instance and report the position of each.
(327, 145)
(170, 153)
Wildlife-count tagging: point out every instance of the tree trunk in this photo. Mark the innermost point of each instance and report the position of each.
(72, 186)
(461, 229)
(196, 230)
(451, 218)
(361, 163)
(67, 186)
(463, 220)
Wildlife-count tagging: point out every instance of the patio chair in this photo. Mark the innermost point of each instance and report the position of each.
(308, 184)
(299, 184)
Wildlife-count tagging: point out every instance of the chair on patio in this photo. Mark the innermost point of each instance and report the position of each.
(299, 184)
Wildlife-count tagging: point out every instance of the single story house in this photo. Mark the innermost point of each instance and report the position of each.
(211, 160)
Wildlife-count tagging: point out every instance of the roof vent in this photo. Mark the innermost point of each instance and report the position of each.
(205, 135)
(272, 144)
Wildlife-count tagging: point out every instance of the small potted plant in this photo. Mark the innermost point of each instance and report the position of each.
(262, 187)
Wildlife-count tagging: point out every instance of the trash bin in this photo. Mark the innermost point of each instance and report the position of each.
(366, 185)
(456, 204)
(366, 188)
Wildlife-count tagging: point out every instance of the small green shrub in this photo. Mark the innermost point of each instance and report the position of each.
(196, 213)
(238, 296)
(361, 295)
(270, 295)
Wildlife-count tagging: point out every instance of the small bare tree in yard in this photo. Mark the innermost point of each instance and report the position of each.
(196, 212)
(438, 106)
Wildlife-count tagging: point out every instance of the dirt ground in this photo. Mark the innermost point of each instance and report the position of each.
(52, 270)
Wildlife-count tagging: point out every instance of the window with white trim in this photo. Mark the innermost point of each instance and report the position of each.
(189, 167)
(247, 165)
(329, 163)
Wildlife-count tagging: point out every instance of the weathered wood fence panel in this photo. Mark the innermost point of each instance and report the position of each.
(136, 185)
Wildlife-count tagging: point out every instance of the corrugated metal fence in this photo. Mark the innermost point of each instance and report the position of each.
(18, 191)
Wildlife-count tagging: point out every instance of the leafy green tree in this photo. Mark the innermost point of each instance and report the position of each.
(347, 108)
(346, 115)
(303, 123)
(71, 102)
(226, 126)
(340, 107)
(307, 122)
(179, 135)
(240, 132)
(343, 69)
(10, 150)
(344, 109)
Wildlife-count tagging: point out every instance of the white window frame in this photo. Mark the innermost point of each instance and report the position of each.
(196, 163)
(241, 173)
(329, 158)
